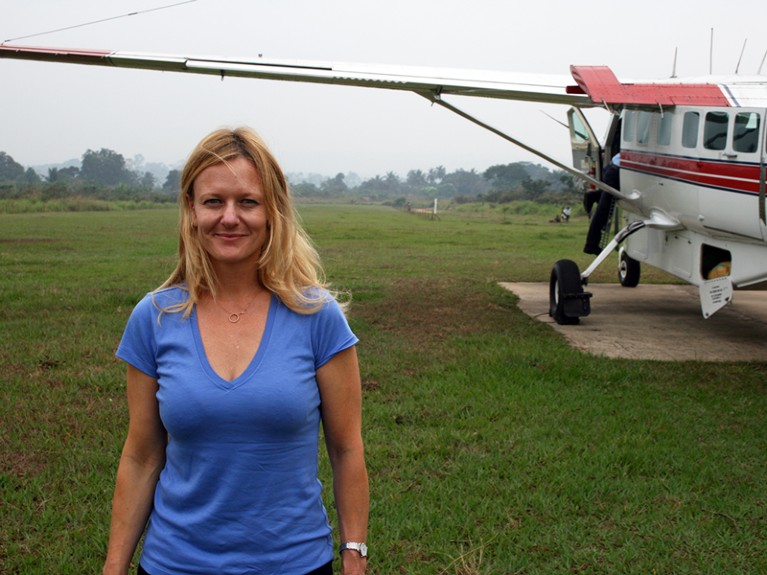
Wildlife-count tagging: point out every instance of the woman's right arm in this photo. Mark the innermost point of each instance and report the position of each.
(143, 457)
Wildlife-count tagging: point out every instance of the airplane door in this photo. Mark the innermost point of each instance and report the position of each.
(585, 146)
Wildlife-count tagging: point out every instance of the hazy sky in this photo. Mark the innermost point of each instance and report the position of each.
(50, 113)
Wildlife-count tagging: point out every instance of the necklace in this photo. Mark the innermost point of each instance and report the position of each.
(235, 317)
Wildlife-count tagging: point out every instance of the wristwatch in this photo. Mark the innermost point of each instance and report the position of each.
(360, 548)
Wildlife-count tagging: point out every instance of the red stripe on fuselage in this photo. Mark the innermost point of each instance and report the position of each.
(736, 177)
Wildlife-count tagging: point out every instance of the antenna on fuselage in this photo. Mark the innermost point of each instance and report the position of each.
(711, 53)
(673, 67)
(742, 50)
(759, 71)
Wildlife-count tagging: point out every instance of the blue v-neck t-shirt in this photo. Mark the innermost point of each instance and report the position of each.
(239, 492)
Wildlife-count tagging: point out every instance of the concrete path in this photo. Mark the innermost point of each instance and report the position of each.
(662, 322)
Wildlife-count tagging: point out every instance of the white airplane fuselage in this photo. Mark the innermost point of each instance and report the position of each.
(704, 167)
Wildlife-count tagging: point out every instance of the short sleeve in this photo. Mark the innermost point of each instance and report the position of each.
(138, 344)
(331, 333)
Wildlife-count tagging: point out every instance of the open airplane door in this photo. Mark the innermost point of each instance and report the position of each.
(587, 152)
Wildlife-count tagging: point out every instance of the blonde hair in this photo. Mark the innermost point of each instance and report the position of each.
(289, 266)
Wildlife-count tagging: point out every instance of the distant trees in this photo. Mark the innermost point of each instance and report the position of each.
(102, 168)
(506, 176)
(436, 175)
(172, 182)
(105, 167)
(31, 176)
(381, 188)
(102, 175)
(334, 187)
(462, 183)
(147, 181)
(105, 174)
(497, 184)
(14, 178)
(10, 169)
(526, 181)
(63, 174)
(416, 179)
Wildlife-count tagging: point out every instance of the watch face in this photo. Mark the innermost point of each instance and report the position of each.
(363, 550)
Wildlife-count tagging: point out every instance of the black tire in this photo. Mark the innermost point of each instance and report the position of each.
(628, 270)
(565, 279)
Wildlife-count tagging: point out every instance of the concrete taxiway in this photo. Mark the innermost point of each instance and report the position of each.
(660, 322)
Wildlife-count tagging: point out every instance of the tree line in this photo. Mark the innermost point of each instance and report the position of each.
(102, 174)
(105, 174)
(497, 184)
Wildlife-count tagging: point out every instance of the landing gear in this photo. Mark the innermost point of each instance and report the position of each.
(567, 300)
(628, 270)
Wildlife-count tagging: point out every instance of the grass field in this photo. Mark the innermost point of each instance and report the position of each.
(493, 448)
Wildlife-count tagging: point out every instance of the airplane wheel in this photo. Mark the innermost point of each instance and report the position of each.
(628, 270)
(565, 279)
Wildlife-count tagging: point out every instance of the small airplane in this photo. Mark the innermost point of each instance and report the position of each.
(691, 199)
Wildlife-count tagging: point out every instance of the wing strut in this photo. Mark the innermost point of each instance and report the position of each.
(436, 98)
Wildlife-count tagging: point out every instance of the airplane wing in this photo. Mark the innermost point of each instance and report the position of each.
(588, 86)
(484, 84)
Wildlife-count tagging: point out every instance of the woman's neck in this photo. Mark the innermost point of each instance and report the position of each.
(236, 283)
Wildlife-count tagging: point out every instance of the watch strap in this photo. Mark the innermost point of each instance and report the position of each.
(357, 546)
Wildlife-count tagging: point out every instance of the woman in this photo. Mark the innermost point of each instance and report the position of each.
(232, 363)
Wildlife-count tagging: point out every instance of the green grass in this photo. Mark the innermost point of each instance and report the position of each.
(493, 447)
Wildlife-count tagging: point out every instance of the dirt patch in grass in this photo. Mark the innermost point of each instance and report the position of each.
(418, 315)
(424, 311)
(22, 464)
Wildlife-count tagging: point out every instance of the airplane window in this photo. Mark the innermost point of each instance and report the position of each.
(664, 129)
(578, 131)
(644, 119)
(746, 136)
(628, 126)
(715, 130)
(690, 129)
